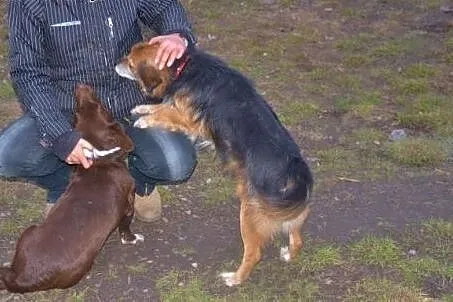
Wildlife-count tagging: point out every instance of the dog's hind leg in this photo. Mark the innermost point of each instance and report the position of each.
(127, 237)
(254, 240)
(295, 236)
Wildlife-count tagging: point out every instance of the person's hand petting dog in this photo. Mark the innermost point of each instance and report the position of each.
(77, 156)
(171, 48)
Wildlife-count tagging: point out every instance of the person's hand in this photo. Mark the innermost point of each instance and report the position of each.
(76, 157)
(171, 47)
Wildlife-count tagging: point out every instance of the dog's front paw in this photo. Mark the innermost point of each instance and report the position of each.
(137, 238)
(142, 123)
(141, 110)
(284, 254)
(230, 279)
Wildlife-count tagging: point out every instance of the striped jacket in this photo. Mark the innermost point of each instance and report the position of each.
(56, 43)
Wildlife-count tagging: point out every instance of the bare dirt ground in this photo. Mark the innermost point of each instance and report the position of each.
(342, 75)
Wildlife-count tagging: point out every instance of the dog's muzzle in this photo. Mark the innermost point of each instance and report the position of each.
(124, 71)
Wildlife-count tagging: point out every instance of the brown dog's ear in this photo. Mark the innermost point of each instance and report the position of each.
(149, 76)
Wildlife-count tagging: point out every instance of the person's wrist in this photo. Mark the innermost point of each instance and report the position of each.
(184, 39)
(65, 143)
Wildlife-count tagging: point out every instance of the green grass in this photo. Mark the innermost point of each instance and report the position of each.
(353, 163)
(360, 105)
(217, 189)
(356, 61)
(356, 43)
(184, 250)
(437, 236)
(411, 86)
(382, 290)
(373, 250)
(320, 258)
(7, 91)
(167, 196)
(417, 152)
(138, 269)
(416, 270)
(429, 113)
(297, 111)
(365, 139)
(27, 209)
(420, 70)
(320, 73)
(179, 286)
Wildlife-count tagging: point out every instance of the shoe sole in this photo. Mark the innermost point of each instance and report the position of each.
(145, 219)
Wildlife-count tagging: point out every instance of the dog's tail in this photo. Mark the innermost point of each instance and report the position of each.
(288, 188)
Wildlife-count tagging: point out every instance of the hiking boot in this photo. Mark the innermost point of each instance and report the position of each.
(148, 208)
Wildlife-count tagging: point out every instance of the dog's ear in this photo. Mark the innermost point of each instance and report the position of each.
(149, 76)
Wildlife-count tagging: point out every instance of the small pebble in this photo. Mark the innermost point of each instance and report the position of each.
(412, 252)
(398, 134)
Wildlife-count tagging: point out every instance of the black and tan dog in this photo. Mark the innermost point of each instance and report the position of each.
(202, 96)
(61, 250)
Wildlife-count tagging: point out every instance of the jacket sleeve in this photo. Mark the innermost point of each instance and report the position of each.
(166, 17)
(31, 76)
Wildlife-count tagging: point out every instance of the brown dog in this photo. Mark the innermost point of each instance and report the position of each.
(61, 250)
(202, 96)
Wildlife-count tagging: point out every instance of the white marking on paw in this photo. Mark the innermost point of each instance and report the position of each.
(141, 123)
(284, 254)
(229, 278)
(141, 109)
(138, 237)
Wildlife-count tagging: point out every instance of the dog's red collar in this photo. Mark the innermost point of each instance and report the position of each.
(181, 66)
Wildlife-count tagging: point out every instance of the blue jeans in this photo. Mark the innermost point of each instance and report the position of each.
(159, 157)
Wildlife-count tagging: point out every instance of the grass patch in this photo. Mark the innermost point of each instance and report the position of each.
(389, 49)
(167, 196)
(416, 270)
(428, 112)
(217, 189)
(177, 287)
(417, 152)
(7, 91)
(347, 162)
(366, 139)
(320, 258)
(355, 61)
(138, 269)
(382, 290)
(26, 210)
(349, 82)
(320, 73)
(359, 106)
(420, 70)
(335, 158)
(292, 290)
(438, 234)
(295, 112)
(357, 43)
(184, 251)
(411, 86)
(372, 250)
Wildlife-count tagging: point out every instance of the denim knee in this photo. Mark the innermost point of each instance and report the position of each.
(162, 157)
(21, 154)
